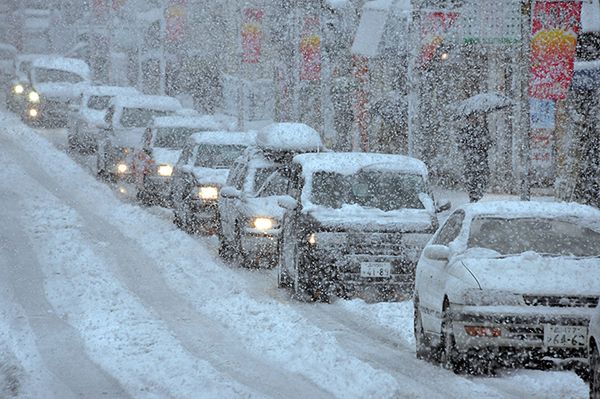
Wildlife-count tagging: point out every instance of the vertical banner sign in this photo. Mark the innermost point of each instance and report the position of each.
(252, 35)
(433, 28)
(175, 18)
(310, 49)
(553, 40)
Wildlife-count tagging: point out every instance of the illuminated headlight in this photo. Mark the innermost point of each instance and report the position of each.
(208, 193)
(165, 170)
(122, 168)
(263, 223)
(312, 239)
(33, 112)
(18, 89)
(33, 97)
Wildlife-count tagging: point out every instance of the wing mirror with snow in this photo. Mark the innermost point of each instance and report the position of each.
(230, 193)
(437, 252)
(443, 205)
(287, 202)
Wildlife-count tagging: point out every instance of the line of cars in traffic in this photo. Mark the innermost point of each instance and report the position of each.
(494, 283)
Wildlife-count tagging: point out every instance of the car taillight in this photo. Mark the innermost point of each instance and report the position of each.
(481, 331)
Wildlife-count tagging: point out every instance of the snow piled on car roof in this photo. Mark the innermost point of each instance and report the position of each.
(200, 122)
(289, 136)
(162, 103)
(73, 65)
(111, 91)
(533, 208)
(225, 138)
(351, 162)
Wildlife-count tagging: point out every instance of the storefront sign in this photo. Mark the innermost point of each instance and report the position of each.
(554, 37)
(433, 28)
(542, 113)
(310, 49)
(252, 35)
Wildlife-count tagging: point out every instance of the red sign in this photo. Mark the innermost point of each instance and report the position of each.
(553, 40)
(252, 35)
(310, 48)
(433, 28)
(175, 16)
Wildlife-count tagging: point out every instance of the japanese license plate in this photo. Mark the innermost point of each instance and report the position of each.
(375, 269)
(565, 336)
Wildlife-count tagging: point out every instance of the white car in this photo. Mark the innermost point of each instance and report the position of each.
(56, 83)
(355, 225)
(199, 175)
(594, 355)
(250, 215)
(127, 119)
(86, 122)
(19, 86)
(162, 144)
(508, 281)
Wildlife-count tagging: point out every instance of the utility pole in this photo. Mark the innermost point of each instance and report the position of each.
(524, 125)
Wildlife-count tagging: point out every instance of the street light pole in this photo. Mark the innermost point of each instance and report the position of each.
(524, 125)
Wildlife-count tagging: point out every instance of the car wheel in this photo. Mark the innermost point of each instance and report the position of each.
(143, 197)
(242, 258)
(423, 349)
(448, 354)
(283, 278)
(72, 144)
(594, 371)
(100, 170)
(224, 247)
(303, 287)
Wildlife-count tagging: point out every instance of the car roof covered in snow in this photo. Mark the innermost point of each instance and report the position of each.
(348, 163)
(111, 91)
(544, 209)
(289, 136)
(200, 122)
(28, 57)
(161, 103)
(224, 138)
(73, 65)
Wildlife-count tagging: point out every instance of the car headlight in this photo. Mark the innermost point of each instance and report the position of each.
(18, 89)
(122, 167)
(33, 112)
(208, 192)
(263, 223)
(33, 97)
(479, 297)
(165, 170)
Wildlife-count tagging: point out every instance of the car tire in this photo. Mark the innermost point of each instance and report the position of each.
(242, 258)
(224, 248)
(283, 278)
(423, 349)
(448, 354)
(594, 371)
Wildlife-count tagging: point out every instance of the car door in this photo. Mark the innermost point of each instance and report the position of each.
(227, 206)
(432, 274)
(289, 230)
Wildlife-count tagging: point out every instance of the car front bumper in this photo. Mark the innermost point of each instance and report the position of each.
(158, 188)
(522, 331)
(258, 245)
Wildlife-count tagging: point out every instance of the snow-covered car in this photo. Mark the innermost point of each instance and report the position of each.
(248, 206)
(127, 119)
(508, 281)
(56, 83)
(161, 148)
(594, 354)
(7, 56)
(355, 225)
(19, 86)
(88, 119)
(202, 170)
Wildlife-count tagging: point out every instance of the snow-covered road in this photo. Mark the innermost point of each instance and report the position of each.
(102, 298)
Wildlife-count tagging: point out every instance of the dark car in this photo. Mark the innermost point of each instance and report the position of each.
(355, 225)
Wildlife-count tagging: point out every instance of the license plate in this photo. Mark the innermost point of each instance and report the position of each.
(375, 269)
(565, 336)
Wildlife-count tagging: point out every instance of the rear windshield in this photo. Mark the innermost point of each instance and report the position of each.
(43, 75)
(541, 235)
(218, 156)
(172, 137)
(139, 117)
(99, 103)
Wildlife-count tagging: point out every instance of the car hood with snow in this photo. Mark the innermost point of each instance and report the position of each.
(165, 156)
(535, 274)
(208, 175)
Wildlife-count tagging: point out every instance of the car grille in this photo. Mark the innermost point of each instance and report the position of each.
(376, 244)
(526, 333)
(561, 301)
(56, 107)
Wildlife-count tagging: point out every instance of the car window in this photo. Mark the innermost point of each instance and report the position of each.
(218, 156)
(44, 75)
(275, 184)
(186, 155)
(139, 117)
(237, 175)
(98, 103)
(449, 231)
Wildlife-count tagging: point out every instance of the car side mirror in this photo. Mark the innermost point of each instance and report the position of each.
(287, 202)
(443, 205)
(437, 252)
(230, 192)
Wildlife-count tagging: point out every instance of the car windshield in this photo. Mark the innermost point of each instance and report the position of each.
(371, 189)
(172, 137)
(541, 235)
(43, 75)
(218, 156)
(139, 117)
(99, 103)
(24, 66)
